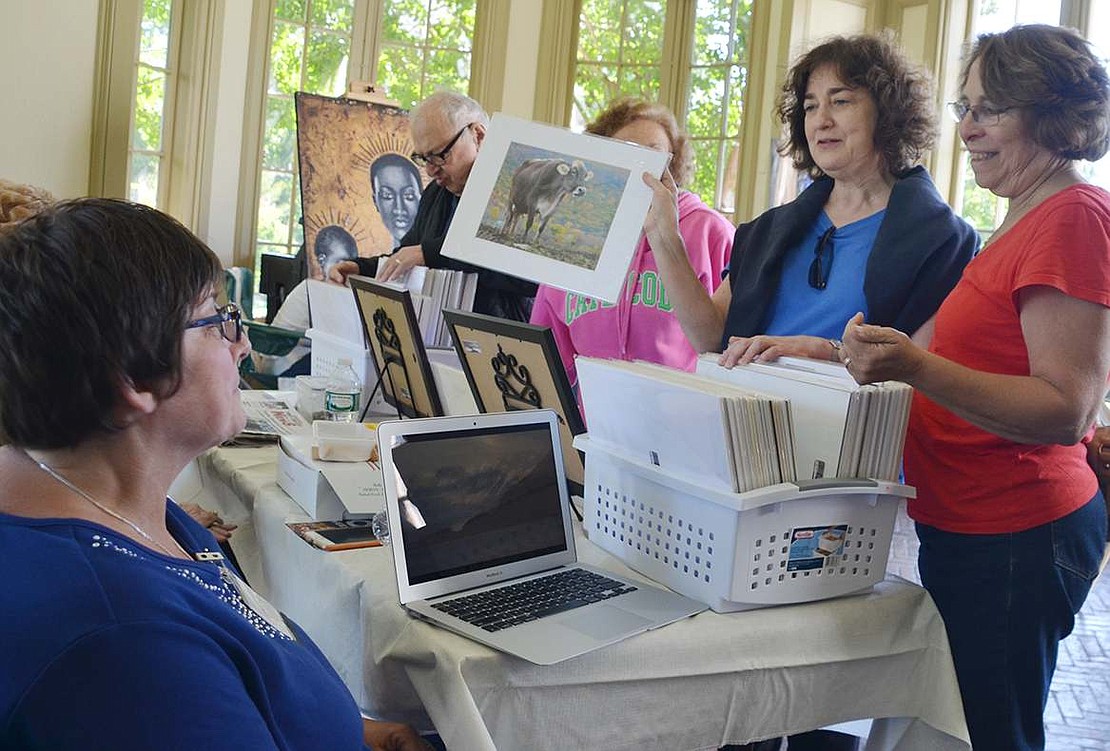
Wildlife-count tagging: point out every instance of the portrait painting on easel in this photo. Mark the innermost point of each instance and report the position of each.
(359, 188)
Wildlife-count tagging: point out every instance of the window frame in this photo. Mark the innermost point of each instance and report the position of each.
(487, 64)
(187, 130)
(770, 31)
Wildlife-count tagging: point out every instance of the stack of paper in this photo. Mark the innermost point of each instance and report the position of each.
(842, 429)
(717, 434)
(272, 413)
(432, 290)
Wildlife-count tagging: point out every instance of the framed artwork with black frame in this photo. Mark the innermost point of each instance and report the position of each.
(404, 374)
(515, 366)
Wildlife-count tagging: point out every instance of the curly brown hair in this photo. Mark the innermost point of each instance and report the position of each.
(18, 202)
(629, 109)
(906, 123)
(1059, 84)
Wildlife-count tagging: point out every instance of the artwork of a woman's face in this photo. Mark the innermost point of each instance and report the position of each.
(396, 196)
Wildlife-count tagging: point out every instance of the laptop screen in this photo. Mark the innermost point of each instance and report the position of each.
(477, 498)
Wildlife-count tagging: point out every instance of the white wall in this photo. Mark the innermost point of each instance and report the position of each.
(47, 53)
(519, 95)
(218, 222)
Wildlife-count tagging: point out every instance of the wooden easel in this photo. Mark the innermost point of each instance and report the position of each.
(364, 91)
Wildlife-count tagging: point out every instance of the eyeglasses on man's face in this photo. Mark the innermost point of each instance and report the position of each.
(439, 158)
(822, 261)
(982, 114)
(228, 319)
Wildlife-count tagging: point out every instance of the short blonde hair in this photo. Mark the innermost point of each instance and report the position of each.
(630, 109)
(18, 202)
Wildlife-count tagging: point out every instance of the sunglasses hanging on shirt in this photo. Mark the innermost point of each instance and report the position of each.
(822, 261)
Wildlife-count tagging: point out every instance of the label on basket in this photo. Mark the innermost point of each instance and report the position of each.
(815, 547)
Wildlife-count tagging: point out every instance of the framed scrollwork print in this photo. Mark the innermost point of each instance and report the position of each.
(515, 366)
(404, 373)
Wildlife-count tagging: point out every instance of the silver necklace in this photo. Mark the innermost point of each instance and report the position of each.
(114, 514)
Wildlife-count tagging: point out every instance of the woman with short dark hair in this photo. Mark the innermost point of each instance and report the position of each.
(123, 626)
(1008, 378)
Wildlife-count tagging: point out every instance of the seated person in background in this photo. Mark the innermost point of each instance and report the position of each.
(641, 326)
(120, 631)
(19, 202)
(447, 131)
(858, 116)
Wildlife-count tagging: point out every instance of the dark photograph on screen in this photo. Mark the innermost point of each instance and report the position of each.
(478, 500)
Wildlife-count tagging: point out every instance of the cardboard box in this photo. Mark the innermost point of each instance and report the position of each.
(328, 490)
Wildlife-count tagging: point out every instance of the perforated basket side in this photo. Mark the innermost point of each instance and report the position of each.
(813, 548)
(806, 547)
(678, 540)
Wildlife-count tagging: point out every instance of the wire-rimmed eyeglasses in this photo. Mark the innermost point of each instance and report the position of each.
(228, 319)
(822, 260)
(983, 114)
(439, 158)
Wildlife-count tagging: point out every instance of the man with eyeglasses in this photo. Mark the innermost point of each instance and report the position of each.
(447, 132)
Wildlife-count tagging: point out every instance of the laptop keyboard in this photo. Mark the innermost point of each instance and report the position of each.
(525, 601)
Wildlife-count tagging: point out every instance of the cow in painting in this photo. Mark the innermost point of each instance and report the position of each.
(538, 187)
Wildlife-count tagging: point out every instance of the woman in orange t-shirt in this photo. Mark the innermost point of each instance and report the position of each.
(1009, 375)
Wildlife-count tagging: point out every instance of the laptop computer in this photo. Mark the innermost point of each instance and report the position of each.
(479, 522)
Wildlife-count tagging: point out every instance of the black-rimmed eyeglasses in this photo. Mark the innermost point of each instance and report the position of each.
(439, 158)
(822, 261)
(982, 114)
(228, 319)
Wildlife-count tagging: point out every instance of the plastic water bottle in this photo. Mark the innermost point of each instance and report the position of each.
(379, 525)
(343, 393)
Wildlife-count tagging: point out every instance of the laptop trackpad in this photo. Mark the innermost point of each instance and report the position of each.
(605, 622)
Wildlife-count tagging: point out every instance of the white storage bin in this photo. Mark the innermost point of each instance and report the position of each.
(781, 544)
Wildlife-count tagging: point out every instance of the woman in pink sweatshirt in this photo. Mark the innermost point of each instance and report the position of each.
(641, 325)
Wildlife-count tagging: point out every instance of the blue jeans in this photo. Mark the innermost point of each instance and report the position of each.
(1007, 600)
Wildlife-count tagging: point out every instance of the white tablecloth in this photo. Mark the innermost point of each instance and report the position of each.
(700, 683)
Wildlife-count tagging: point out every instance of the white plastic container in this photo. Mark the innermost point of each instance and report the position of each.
(310, 396)
(345, 441)
(776, 545)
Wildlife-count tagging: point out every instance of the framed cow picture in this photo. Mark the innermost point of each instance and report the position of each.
(556, 207)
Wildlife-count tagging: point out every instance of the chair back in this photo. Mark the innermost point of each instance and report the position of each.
(240, 289)
(278, 276)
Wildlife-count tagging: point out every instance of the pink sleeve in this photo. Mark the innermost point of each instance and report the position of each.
(550, 310)
(708, 237)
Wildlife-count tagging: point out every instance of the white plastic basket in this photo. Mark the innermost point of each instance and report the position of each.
(781, 544)
(328, 348)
